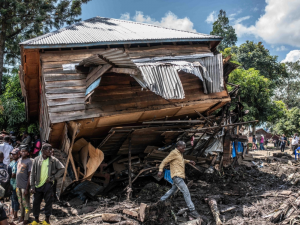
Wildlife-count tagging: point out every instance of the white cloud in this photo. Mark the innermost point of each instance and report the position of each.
(281, 48)
(292, 56)
(170, 20)
(279, 25)
(125, 16)
(255, 9)
(239, 20)
(212, 17)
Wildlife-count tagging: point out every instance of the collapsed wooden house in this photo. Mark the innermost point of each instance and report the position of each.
(85, 81)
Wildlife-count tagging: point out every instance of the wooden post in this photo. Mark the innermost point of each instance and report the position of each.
(129, 170)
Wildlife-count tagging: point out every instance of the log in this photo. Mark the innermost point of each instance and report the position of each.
(110, 217)
(214, 209)
(130, 212)
(124, 71)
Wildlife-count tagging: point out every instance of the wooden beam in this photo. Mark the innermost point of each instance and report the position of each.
(98, 74)
(124, 70)
(69, 156)
(163, 50)
(93, 72)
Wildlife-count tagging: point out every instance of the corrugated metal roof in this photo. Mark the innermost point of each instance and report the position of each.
(104, 31)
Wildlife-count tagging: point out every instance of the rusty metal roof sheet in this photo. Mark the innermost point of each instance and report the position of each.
(106, 31)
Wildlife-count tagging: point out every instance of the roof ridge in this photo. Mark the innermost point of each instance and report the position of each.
(147, 24)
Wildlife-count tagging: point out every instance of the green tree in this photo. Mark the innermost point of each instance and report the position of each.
(255, 94)
(255, 55)
(290, 123)
(13, 107)
(288, 89)
(222, 28)
(24, 19)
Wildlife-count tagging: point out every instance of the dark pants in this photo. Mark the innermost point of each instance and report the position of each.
(282, 147)
(14, 201)
(294, 147)
(45, 192)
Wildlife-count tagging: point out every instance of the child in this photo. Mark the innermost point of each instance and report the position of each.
(23, 184)
(13, 169)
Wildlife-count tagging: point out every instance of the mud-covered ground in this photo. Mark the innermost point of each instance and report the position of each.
(245, 195)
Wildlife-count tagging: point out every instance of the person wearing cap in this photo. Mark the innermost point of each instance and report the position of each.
(45, 170)
(177, 167)
(12, 168)
(26, 140)
(6, 148)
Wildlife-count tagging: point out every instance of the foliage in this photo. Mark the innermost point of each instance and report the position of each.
(12, 107)
(288, 89)
(255, 94)
(252, 55)
(290, 123)
(21, 20)
(33, 128)
(222, 28)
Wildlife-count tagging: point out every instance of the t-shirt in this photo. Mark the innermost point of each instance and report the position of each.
(254, 140)
(283, 139)
(44, 172)
(295, 140)
(24, 167)
(262, 140)
(13, 165)
(6, 149)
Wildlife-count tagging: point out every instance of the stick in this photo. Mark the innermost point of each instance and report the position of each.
(194, 167)
(140, 174)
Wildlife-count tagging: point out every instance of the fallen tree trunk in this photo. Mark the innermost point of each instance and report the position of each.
(214, 209)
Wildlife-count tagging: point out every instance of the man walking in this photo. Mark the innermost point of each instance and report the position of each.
(177, 166)
(6, 148)
(295, 142)
(262, 140)
(45, 170)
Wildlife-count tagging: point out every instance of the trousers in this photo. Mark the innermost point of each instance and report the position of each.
(262, 146)
(24, 201)
(178, 183)
(14, 201)
(282, 147)
(45, 192)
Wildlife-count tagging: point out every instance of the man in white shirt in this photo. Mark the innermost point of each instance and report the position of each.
(6, 148)
(295, 142)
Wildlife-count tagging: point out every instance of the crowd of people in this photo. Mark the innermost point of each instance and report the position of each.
(27, 169)
(281, 143)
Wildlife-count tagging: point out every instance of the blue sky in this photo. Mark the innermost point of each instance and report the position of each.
(276, 23)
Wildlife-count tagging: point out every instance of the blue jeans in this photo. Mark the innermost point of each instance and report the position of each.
(262, 146)
(14, 201)
(178, 183)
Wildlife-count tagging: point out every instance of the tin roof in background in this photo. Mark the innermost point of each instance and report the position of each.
(107, 31)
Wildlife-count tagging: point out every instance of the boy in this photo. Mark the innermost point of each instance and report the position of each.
(13, 169)
(23, 184)
(45, 170)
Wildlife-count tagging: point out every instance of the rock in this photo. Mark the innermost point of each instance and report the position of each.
(192, 222)
(290, 162)
(110, 217)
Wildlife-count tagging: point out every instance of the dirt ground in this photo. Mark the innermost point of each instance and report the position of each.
(255, 194)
